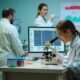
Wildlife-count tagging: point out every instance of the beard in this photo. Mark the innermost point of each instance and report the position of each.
(11, 21)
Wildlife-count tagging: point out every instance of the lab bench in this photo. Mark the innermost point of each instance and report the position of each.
(34, 72)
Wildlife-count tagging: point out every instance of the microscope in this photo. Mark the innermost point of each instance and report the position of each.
(52, 53)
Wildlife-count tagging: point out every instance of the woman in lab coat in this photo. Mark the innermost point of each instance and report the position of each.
(68, 33)
(42, 12)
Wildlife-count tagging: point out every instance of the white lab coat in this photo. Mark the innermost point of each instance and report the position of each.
(40, 22)
(10, 43)
(73, 56)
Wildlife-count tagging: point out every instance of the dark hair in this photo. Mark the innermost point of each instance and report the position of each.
(6, 12)
(67, 24)
(40, 7)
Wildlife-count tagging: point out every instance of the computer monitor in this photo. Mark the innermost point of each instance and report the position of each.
(37, 36)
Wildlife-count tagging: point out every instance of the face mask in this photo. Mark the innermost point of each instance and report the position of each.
(68, 43)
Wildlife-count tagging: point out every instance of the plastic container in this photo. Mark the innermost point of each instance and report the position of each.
(15, 62)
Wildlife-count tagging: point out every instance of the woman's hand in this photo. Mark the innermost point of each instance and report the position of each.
(51, 17)
(54, 60)
(47, 45)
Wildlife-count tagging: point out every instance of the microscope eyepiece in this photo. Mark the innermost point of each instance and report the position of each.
(53, 40)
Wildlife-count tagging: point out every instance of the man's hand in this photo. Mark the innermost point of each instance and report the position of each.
(24, 54)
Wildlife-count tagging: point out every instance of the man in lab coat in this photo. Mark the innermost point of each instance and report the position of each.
(10, 43)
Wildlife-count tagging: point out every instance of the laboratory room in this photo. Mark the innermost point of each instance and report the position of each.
(39, 39)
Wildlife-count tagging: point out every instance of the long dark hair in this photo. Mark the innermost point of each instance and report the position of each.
(67, 24)
(40, 7)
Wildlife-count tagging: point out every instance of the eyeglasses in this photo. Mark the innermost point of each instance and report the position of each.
(59, 34)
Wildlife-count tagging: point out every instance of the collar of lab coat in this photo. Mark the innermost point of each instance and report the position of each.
(40, 17)
(5, 20)
(74, 41)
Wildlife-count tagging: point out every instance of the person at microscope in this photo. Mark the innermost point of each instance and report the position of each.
(67, 32)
